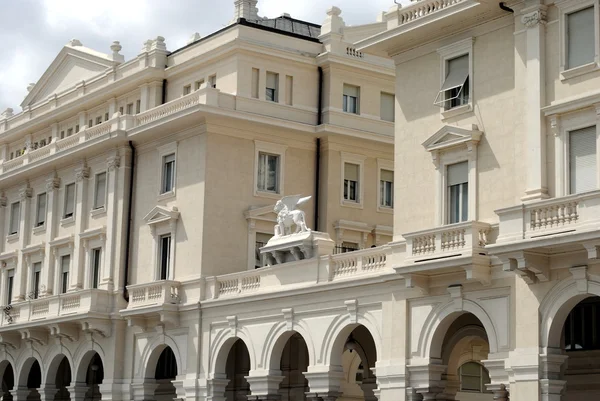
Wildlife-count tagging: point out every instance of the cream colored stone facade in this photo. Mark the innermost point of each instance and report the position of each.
(135, 196)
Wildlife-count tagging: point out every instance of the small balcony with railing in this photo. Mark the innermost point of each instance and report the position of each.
(158, 300)
(446, 249)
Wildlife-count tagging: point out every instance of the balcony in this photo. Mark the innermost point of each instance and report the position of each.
(444, 249)
(159, 300)
(62, 314)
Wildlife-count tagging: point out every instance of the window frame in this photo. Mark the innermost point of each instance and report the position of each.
(482, 382)
(33, 290)
(276, 150)
(37, 210)
(566, 7)
(95, 269)
(389, 166)
(275, 90)
(346, 97)
(360, 161)
(450, 52)
(161, 249)
(14, 232)
(561, 126)
(65, 200)
(95, 200)
(448, 199)
(9, 286)
(381, 95)
(187, 89)
(164, 151)
(64, 285)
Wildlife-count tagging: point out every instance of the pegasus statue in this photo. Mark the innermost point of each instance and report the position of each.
(288, 215)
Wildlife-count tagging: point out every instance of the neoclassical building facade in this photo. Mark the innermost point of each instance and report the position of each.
(137, 258)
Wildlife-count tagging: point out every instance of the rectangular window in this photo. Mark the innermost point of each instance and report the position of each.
(70, 132)
(386, 107)
(458, 192)
(62, 134)
(9, 285)
(90, 123)
(199, 84)
(289, 90)
(95, 273)
(261, 240)
(77, 128)
(100, 191)
(187, 90)
(98, 120)
(268, 172)
(165, 256)
(386, 188)
(351, 174)
(168, 178)
(138, 106)
(121, 110)
(105, 116)
(15, 218)
(212, 81)
(254, 83)
(580, 37)
(36, 280)
(455, 90)
(582, 160)
(350, 99)
(40, 214)
(130, 108)
(272, 87)
(69, 200)
(65, 265)
(346, 247)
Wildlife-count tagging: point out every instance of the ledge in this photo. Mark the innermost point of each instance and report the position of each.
(578, 71)
(12, 238)
(457, 111)
(99, 211)
(166, 196)
(39, 229)
(67, 221)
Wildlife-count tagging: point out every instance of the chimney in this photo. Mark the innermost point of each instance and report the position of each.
(246, 9)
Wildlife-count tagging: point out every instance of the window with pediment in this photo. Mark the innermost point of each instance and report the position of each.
(163, 225)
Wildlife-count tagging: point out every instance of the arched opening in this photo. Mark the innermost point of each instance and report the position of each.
(63, 380)
(8, 380)
(94, 376)
(237, 368)
(34, 381)
(580, 342)
(165, 373)
(465, 345)
(294, 362)
(358, 357)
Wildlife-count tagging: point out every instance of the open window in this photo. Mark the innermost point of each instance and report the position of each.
(456, 87)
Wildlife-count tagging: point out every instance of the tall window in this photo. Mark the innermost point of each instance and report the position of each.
(40, 214)
(168, 178)
(187, 90)
(138, 106)
(95, 262)
(351, 174)
(9, 285)
(69, 200)
(386, 188)
(130, 108)
(198, 84)
(36, 280)
(15, 217)
(580, 37)
(165, 256)
(458, 192)
(212, 81)
(473, 377)
(455, 89)
(350, 99)
(65, 265)
(100, 191)
(582, 160)
(272, 87)
(268, 172)
(387, 106)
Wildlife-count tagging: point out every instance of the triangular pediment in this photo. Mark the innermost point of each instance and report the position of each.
(449, 136)
(161, 214)
(265, 213)
(72, 65)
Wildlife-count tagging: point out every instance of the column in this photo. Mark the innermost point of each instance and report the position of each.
(20, 393)
(324, 382)
(77, 391)
(22, 269)
(82, 175)
(52, 214)
(264, 387)
(144, 391)
(47, 393)
(107, 271)
(251, 243)
(216, 388)
(552, 366)
(4, 210)
(111, 391)
(369, 387)
(534, 19)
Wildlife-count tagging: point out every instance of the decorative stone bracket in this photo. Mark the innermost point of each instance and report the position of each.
(532, 267)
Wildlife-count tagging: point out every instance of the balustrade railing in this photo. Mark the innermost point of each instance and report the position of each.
(359, 262)
(155, 293)
(420, 9)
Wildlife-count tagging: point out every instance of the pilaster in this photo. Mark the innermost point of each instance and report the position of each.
(112, 165)
(52, 214)
(534, 19)
(82, 175)
(49, 393)
(20, 393)
(216, 388)
(264, 387)
(20, 284)
(324, 381)
(144, 391)
(77, 391)
(4, 210)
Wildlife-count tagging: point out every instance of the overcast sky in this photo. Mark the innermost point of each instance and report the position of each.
(33, 31)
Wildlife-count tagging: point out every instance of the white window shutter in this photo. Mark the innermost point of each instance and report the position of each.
(350, 90)
(580, 37)
(387, 106)
(458, 173)
(272, 79)
(387, 175)
(582, 160)
(351, 171)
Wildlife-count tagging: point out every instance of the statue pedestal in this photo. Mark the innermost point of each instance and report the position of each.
(295, 247)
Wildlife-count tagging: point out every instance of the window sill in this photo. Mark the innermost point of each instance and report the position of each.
(98, 211)
(457, 111)
(578, 71)
(67, 221)
(12, 238)
(355, 205)
(270, 195)
(39, 229)
(166, 195)
(385, 209)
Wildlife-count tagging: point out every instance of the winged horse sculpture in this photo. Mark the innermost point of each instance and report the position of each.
(288, 215)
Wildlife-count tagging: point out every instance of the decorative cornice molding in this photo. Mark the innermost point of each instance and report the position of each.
(25, 193)
(113, 163)
(534, 18)
(52, 183)
(82, 173)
